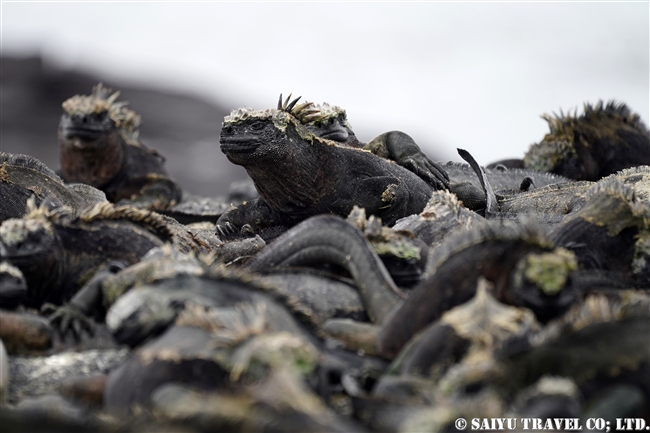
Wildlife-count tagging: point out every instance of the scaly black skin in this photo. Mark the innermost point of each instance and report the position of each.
(495, 257)
(330, 239)
(92, 151)
(443, 215)
(393, 145)
(599, 343)
(130, 328)
(401, 148)
(610, 234)
(507, 183)
(331, 123)
(603, 223)
(132, 322)
(605, 139)
(479, 325)
(57, 259)
(13, 287)
(549, 205)
(299, 175)
(93, 299)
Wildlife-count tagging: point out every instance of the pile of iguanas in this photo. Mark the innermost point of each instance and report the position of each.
(358, 287)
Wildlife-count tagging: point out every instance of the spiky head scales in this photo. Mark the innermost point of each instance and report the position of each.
(102, 100)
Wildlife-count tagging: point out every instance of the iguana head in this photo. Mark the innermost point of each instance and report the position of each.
(13, 287)
(249, 137)
(91, 135)
(91, 116)
(330, 122)
(31, 245)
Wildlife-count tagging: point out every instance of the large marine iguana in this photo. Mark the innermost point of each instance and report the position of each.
(99, 146)
(331, 122)
(604, 139)
(299, 174)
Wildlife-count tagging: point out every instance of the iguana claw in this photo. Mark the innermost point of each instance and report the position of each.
(68, 319)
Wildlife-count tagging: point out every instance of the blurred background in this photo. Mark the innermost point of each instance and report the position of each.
(470, 75)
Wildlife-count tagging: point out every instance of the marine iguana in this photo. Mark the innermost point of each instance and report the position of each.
(323, 239)
(611, 233)
(548, 205)
(221, 336)
(464, 332)
(600, 341)
(330, 239)
(525, 268)
(442, 216)
(481, 189)
(13, 287)
(110, 281)
(604, 139)
(59, 251)
(57, 255)
(331, 122)
(299, 174)
(312, 298)
(99, 146)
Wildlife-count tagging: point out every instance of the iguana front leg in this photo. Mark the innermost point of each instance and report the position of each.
(76, 316)
(387, 197)
(402, 149)
(248, 218)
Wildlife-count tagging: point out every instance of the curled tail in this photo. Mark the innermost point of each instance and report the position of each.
(491, 206)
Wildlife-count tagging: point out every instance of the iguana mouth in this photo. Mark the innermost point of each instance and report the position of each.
(82, 127)
(238, 144)
(12, 252)
(16, 258)
(84, 133)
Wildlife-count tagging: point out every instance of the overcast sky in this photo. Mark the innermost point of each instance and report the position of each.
(470, 75)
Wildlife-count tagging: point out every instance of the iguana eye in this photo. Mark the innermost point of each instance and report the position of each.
(257, 126)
